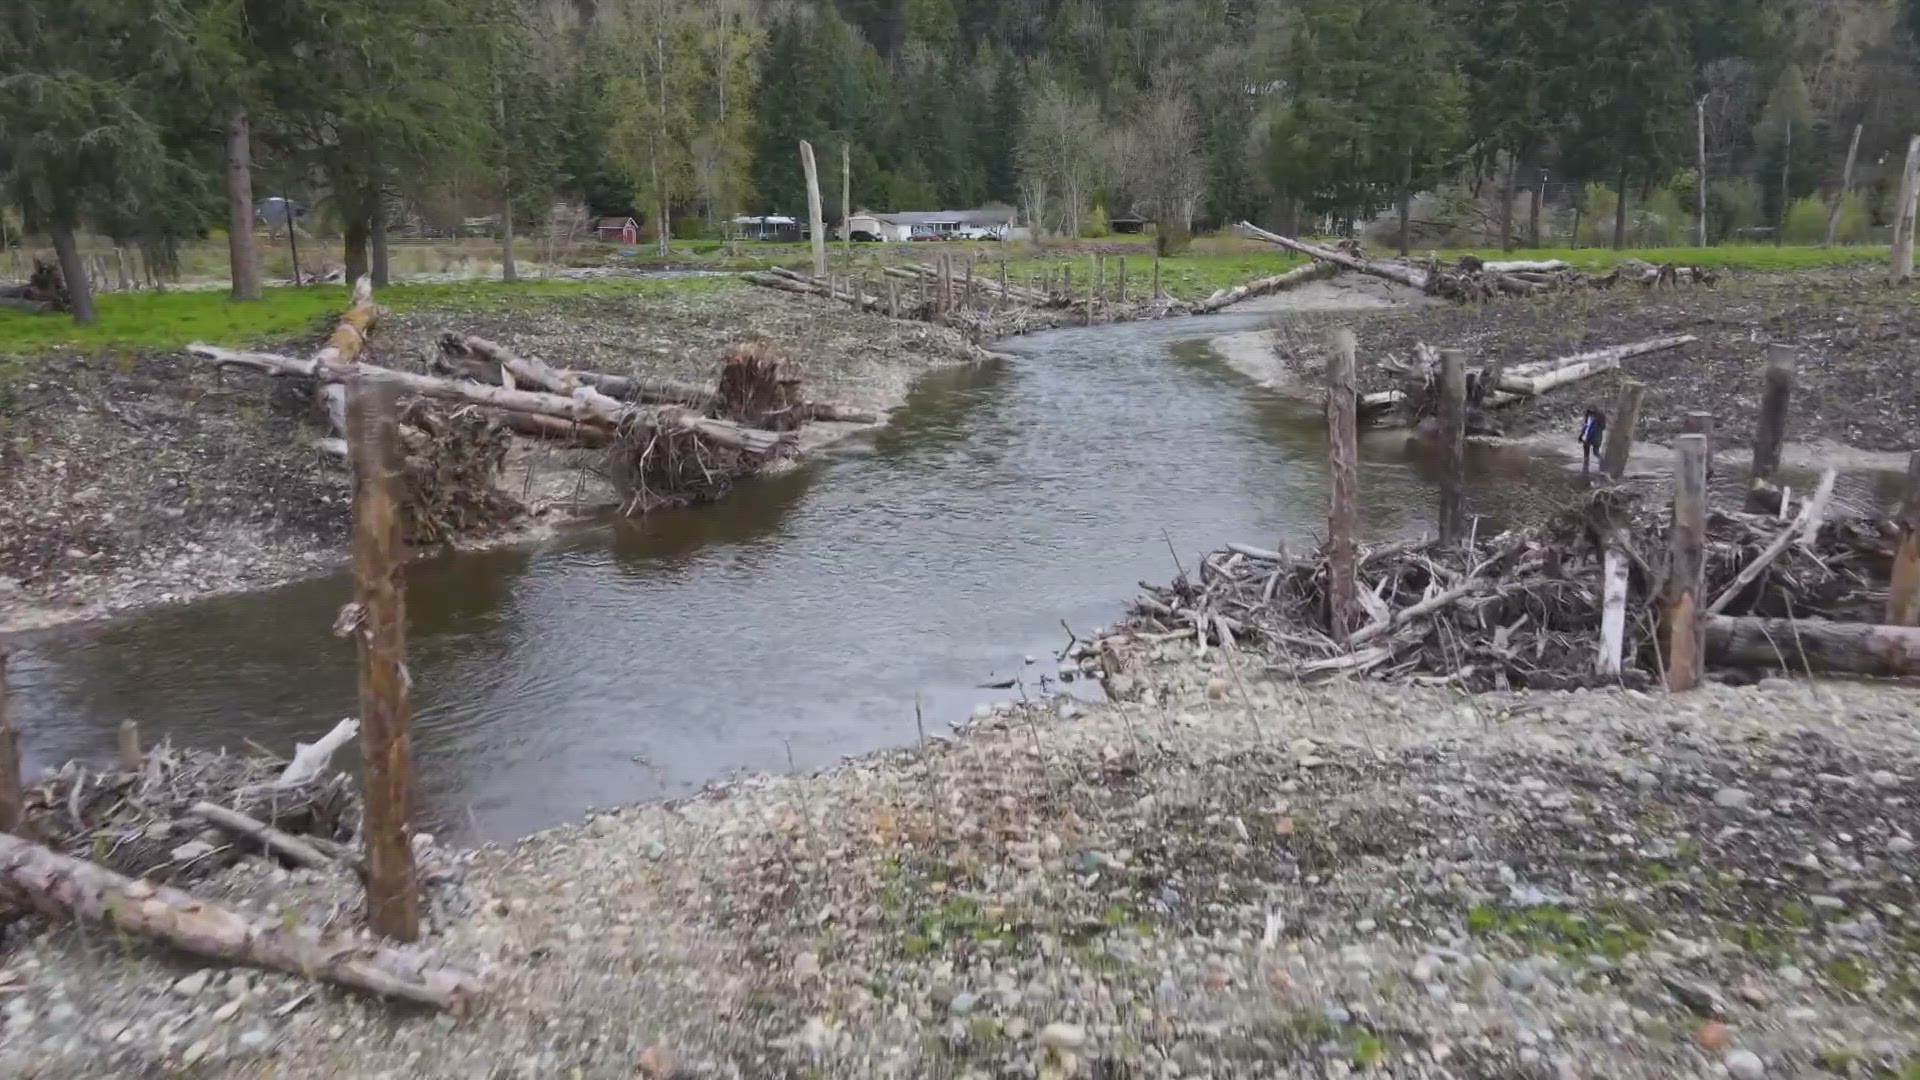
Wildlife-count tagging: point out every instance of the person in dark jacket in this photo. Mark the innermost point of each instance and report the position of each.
(1593, 432)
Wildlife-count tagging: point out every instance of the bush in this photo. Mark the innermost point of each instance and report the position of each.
(689, 227)
(1807, 221)
(1733, 208)
(1095, 225)
(1661, 222)
(1598, 204)
(1171, 237)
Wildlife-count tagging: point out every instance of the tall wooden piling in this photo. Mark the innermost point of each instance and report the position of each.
(12, 799)
(1157, 294)
(1123, 279)
(969, 290)
(1100, 275)
(130, 753)
(386, 716)
(1453, 445)
(1904, 213)
(1343, 495)
(1903, 595)
(1005, 300)
(1701, 423)
(1686, 563)
(893, 299)
(1775, 398)
(815, 219)
(1626, 416)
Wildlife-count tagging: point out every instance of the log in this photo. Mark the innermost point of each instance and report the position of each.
(1846, 186)
(586, 407)
(1687, 542)
(286, 845)
(13, 801)
(1523, 266)
(1453, 445)
(35, 878)
(1803, 527)
(1420, 610)
(817, 231)
(1903, 594)
(380, 637)
(1776, 399)
(1529, 380)
(1904, 213)
(1619, 443)
(342, 350)
(1613, 605)
(1405, 275)
(1343, 490)
(1266, 286)
(1837, 648)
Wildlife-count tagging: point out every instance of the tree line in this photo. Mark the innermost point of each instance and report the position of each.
(156, 121)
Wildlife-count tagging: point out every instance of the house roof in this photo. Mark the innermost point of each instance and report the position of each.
(615, 223)
(992, 215)
(767, 219)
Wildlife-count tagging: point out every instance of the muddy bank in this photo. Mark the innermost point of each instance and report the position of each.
(134, 480)
(1223, 882)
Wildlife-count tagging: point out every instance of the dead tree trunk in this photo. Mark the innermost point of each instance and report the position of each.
(381, 260)
(243, 254)
(12, 799)
(1846, 186)
(1903, 595)
(1816, 644)
(1508, 192)
(53, 884)
(1453, 445)
(1343, 513)
(814, 218)
(393, 896)
(1776, 397)
(1686, 563)
(1620, 213)
(1700, 173)
(1626, 415)
(846, 202)
(1405, 275)
(1613, 603)
(356, 244)
(1905, 210)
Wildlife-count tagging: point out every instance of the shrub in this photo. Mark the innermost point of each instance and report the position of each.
(1095, 225)
(1807, 221)
(1171, 237)
(1733, 208)
(689, 227)
(1661, 222)
(1596, 219)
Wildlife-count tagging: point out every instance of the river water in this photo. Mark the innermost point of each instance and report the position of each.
(797, 621)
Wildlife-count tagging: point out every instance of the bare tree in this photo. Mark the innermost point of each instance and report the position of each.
(1164, 169)
(1060, 149)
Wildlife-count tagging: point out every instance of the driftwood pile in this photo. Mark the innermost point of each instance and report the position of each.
(1416, 391)
(1475, 279)
(180, 816)
(1524, 609)
(670, 443)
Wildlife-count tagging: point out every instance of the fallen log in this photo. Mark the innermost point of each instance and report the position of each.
(1523, 266)
(1405, 275)
(35, 878)
(1820, 645)
(1224, 298)
(1420, 610)
(481, 360)
(1571, 369)
(289, 847)
(311, 759)
(586, 406)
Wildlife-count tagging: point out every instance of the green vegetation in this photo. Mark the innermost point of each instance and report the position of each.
(1613, 930)
(170, 320)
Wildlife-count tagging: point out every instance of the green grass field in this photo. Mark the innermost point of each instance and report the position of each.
(170, 320)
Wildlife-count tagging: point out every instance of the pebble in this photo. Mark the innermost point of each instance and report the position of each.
(1063, 1036)
(1713, 1036)
(1731, 798)
(197, 1051)
(255, 1039)
(191, 985)
(1791, 975)
(806, 966)
(1744, 1065)
(1899, 845)
(1015, 1027)
(1885, 779)
(963, 1003)
(1425, 968)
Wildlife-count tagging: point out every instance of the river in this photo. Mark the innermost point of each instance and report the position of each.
(796, 622)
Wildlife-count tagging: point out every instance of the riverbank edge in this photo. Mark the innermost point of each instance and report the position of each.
(264, 565)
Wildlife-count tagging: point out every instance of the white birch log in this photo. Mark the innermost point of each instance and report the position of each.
(1613, 607)
(35, 878)
(311, 759)
(1405, 275)
(1584, 365)
(1266, 286)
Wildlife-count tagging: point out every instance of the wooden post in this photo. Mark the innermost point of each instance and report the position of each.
(968, 301)
(393, 899)
(1005, 300)
(1613, 604)
(1123, 279)
(1066, 286)
(1775, 398)
(1343, 512)
(1453, 445)
(1626, 414)
(815, 219)
(1903, 595)
(1700, 175)
(1904, 212)
(293, 243)
(1701, 423)
(13, 801)
(1093, 290)
(893, 299)
(846, 203)
(1686, 562)
(1846, 186)
(1100, 275)
(130, 755)
(1157, 294)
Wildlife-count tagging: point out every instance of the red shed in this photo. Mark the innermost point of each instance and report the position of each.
(619, 230)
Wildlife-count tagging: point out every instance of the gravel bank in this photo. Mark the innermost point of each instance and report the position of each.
(131, 481)
(1354, 880)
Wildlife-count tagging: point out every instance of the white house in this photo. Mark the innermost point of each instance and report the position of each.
(987, 223)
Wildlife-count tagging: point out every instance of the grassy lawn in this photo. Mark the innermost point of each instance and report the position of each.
(170, 320)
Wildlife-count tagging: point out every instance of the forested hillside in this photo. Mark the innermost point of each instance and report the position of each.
(154, 121)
